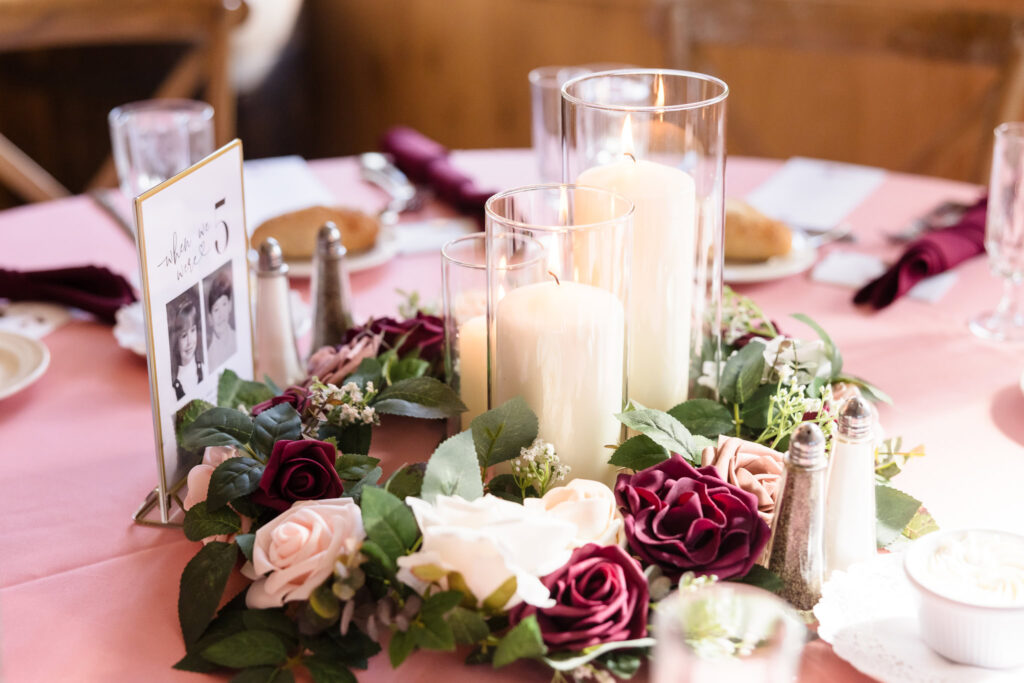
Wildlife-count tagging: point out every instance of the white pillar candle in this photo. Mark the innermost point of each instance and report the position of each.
(661, 276)
(471, 347)
(560, 347)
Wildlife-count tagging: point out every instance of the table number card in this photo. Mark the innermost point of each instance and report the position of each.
(192, 246)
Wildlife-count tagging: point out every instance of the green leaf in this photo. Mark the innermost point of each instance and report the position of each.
(218, 427)
(355, 489)
(762, 578)
(504, 486)
(245, 506)
(388, 522)
(742, 373)
(408, 368)
(438, 604)
(401, 646)
(351, 439)
(467, 626)
(895, 509)
(278, 423)
(705, 417)
(567, 661)
(248, 648)
(264, 674)
(184, 418)
(522, 642)
(354, 466)
(272, 385)
(369, 370)
(325, 670)
(200, 522)
(407, 481)
(624, 664)
(496, 601)
(194, 662)
(233, 478)
(867, 388)
(382, 558)
(830, 348)
(352, 649)
(453, 470)
(423, 397)
(663, 429)
(202, 585)
(922, 524)
(754, 412)
(273, 620)
(233, 391)
(500, 434)
(638, 453)
(433, 634)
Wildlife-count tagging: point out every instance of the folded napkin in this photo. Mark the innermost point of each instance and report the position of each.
(93, 289)
(427, 161)
(934, 253)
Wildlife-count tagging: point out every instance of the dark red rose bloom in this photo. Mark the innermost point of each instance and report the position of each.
(600, 596)
(425, 332)
(685, 519)
(298, 470)
(297, 397)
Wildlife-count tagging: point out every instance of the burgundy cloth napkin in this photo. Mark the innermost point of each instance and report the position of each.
(934, 253)
(93, 289)
(426, 161)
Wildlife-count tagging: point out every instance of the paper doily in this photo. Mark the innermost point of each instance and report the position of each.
(869, 616)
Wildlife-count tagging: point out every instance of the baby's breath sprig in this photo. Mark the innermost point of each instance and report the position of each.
(538, 466)
(789, 407)
(341, 406)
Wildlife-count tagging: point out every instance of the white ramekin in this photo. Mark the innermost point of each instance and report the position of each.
(971, 634)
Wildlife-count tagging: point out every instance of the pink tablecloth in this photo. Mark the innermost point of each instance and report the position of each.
(85, 595)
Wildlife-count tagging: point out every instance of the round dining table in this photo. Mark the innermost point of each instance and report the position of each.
(87, 595)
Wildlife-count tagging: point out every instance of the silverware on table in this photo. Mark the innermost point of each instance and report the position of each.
(942, 216)
(816, 237)
(377, 169)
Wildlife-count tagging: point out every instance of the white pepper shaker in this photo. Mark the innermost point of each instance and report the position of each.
(277, 355)
(850, 503)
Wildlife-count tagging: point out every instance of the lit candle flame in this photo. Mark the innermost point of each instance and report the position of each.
(563, 206)
(627, 138)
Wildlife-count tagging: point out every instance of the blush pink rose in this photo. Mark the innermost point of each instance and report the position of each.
(332, 364)
(199, 485)
(296, 551)
(754, 468)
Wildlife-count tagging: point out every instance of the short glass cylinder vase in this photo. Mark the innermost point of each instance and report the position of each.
(558, 329)
(657, 137)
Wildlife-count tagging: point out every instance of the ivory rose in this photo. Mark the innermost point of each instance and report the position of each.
(199, 476)
(487, 541)
(296, 551)
(754, 468)
(590, 505)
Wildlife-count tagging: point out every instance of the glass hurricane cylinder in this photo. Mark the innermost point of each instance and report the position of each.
(557, 330)
(657, 137)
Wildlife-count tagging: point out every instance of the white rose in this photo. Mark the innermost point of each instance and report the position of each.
(590, 505)
(487, 541)
(296, 552)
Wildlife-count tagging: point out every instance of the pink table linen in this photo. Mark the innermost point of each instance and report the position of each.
(85, 595)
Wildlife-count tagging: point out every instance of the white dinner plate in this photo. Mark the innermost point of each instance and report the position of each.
(23, 360)
(801, 256)
(380, 253)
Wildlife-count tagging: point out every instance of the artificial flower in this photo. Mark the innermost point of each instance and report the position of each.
(794, 361)
(423, 332)
(297, 550)
(332, 364)
(590, 505)
(298, 470)
(754, 468)
(685, 519)
(600, 596)
(493, 549)
(296, 397)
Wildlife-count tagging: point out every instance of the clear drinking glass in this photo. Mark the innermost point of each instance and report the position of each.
(1004, 235)
(546, 122)
(557, 325)
(726, 633)
(155, 139)
(658, 138)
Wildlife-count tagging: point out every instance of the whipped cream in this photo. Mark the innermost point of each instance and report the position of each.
(977, 567)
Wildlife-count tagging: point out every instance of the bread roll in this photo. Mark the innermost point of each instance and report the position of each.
(296, 231)
(752, 236)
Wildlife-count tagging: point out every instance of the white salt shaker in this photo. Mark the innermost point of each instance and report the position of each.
(277, 355)
(850, 502)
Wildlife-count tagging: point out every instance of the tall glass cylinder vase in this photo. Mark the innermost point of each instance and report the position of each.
(658, 138)
(558, 259)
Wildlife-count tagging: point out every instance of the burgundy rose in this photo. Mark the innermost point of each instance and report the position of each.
(298, 470)
(600, 596)
(685, 519)
(424, 332)
(296, 397)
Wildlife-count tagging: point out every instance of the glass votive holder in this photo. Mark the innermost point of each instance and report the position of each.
(464, 301)
(557, 330)
(546, 117)
(726, 633)
(657, 137)
(153, 140)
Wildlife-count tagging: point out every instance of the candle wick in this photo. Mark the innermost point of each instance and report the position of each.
(557, 281)
(630, 155)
